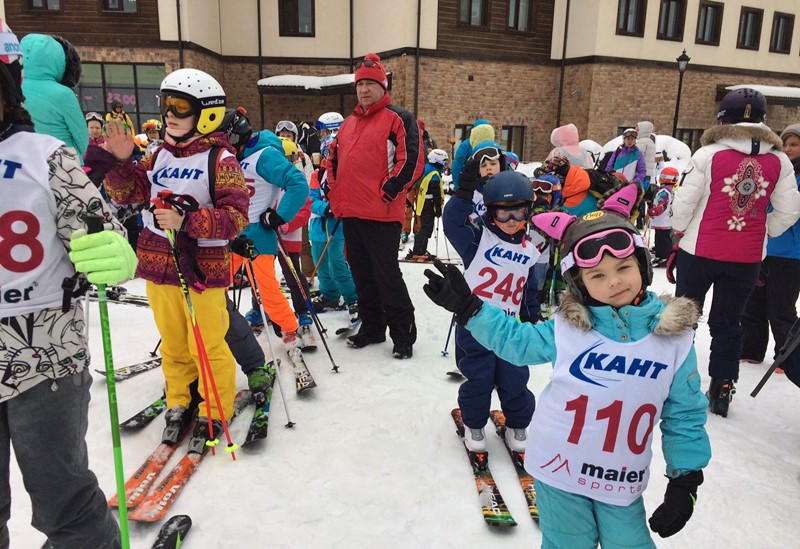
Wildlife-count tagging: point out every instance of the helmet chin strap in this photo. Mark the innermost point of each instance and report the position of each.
(185, 137)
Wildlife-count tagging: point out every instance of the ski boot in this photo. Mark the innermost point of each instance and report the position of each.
(254, 318)
(402, 350)
(516, 439)
(202, 434)
(720, 393)
(322, 304)
(403, 237)
(352, 310)
(475, 439)
(307, 341)
(177, 419)
(362, 340)
(289, 340)
(260, 381)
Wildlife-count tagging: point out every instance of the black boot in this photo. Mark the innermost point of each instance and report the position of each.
(720, 393)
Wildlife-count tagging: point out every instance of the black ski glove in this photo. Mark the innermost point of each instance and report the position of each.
(452, 292)
(390, 190)
(243, 246)
(271, 220)
(470, 177)
(679, 500)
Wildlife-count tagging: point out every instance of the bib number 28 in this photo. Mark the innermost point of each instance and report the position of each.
(19, 230)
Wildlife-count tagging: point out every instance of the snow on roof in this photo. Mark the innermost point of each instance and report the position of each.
(770, 91)
(306, 82)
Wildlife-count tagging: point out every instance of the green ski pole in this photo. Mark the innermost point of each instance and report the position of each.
(94, 224)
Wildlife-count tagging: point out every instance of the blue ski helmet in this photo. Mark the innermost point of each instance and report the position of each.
(507, 186)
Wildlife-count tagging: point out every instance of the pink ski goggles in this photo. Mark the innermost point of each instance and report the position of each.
(588, 252)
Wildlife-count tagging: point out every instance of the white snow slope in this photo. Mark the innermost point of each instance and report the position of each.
(374, 461)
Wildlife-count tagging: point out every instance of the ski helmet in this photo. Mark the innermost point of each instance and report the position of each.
(152, 124)
(287, 125)
(94, 117)
(489, 150)
(512, 160)
(330, 121)
(742, 105)
(290, 149)
(438, 157)
(238, 128)
(668, 176)
(204, 95)
(507, 186)
(10, 67)
(115, 104)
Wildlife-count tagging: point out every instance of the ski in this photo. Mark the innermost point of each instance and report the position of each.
(430, 261)
(302, 377)
(123, 298)
(349, 329)
(525, 479)
(127, 372)
(173, 533)
(157, 503)
(455, 374)
(260, 422)
(495, 510)
(148, 414)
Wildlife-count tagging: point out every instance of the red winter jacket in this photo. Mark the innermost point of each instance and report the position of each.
(372, 147)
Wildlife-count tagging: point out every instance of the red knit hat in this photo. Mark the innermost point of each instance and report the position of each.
(371, 69)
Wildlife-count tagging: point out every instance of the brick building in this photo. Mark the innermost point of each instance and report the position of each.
(522, 64)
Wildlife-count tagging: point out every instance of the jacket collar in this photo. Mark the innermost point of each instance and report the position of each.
(380, 104)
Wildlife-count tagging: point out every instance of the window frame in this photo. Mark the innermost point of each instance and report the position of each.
(718, 27)
(45, 8)
(510, 132)
(465, 129)
(778, 15)
(484, 24)
(104, 7)
(641, 20)
(746, 12)
(692, 134)
(531, 16)
(680, 23)
(282, 24)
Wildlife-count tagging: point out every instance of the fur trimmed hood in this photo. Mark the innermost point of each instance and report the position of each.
(730, 134)
(677, 315)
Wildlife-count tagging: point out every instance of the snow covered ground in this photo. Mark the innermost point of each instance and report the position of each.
(374, 462)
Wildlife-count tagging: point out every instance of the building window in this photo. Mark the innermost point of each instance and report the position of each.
(630, 17)
(296, 17)
(136, 86)
(520, 15)
(689, 136)
(461, 133)
(473, 12)
(749, 28)
(671, 18)
(709, 23)
(126, 6)
(513, 139)
(45, 5)
(781, 39)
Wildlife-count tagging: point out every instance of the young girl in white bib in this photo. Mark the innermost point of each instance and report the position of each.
(623, 359)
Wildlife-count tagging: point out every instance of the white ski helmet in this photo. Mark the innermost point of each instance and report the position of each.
(438, 156)
(203, 92)
(329, 121)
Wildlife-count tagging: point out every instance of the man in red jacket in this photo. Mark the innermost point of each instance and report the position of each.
(376, 157)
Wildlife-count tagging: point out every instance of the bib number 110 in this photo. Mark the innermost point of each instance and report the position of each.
(613, 415)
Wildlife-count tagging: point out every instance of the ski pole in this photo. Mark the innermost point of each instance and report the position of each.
(789, 346)
(449, 331)
(436, 238)
(275, 361)
(552, 292)
(324, 250)
(94, 224)
(444, 239)
(153, 352)
(314, 316)
(86, 313)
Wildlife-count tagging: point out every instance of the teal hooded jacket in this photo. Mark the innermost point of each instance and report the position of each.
(276, 170)
(54, 107)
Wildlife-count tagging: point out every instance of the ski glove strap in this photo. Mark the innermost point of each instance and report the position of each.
(679, 500)
(105, 257)
(452, 292)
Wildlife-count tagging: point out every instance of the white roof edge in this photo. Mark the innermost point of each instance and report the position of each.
(770, 91)
(307, 82)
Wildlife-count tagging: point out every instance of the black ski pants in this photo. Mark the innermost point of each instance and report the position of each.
(383, 298)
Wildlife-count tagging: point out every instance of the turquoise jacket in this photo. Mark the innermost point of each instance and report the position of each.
(276, 170)
(684, 439)
(54, 107)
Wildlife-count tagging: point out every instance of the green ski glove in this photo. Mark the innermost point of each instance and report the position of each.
(105, 257)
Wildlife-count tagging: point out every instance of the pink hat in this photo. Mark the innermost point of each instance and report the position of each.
(371, 69)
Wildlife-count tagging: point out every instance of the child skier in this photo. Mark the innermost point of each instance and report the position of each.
(498, 258)
(659, 215)
(193, 105)
(622, 359)
(429, 201)
(44, 396)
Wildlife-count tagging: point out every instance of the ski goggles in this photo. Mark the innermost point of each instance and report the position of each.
(94, 116)
(286, 125)
(487, 153)
(588, 252)
(542, 186)
(517, 212)
(369, 63)
(180, 107)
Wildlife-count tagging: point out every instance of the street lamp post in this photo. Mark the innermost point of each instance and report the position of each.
(683, 61)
